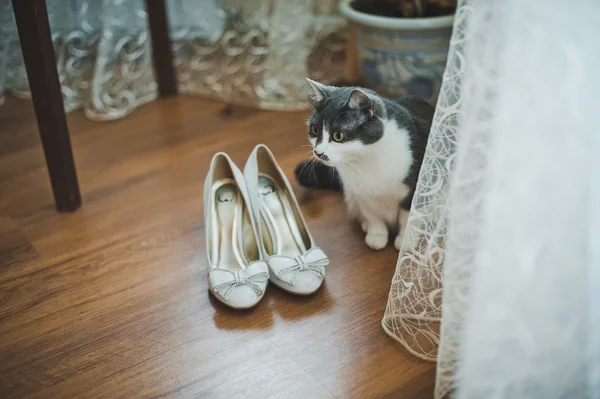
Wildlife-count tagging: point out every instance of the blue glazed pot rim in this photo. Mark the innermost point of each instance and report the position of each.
(394, 23)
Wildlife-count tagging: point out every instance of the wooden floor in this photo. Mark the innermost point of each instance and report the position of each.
(112, 301)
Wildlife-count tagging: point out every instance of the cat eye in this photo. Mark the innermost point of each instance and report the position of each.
(338, 137)
(313, 130)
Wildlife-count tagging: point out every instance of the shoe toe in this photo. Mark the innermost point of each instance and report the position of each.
(242, 297)
(305, 283)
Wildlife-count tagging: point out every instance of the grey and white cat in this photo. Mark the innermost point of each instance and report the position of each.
(375, 147)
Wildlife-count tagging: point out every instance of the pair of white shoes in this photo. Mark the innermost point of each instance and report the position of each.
(255, 232)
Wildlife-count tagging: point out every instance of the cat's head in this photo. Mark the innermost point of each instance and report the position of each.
(345, 121)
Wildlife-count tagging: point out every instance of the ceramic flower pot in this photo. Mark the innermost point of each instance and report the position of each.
(400, 56)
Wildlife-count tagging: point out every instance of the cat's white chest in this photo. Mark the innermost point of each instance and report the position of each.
(380, 197)
(385, 164)
(391, 187)
(376, 184)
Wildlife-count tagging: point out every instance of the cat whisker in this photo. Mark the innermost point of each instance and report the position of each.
(351, 172)
(308, 105)
(310, 156)
(354, 159)
(356, 169)
(345, 173)
(351, 161)
(307, 164)
(311, 169)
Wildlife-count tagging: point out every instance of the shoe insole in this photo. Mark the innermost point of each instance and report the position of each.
(226, 226)
(279, 218)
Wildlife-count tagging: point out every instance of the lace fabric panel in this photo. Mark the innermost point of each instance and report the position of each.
(414, 308)
(260, 51)
(76, 33)
(528, 329)
(255, 52)
(7, 29)
(123, 78)
(12, 69)
(506, 203)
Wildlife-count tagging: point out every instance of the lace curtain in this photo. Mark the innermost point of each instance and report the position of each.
(249, 52)
(503, 290)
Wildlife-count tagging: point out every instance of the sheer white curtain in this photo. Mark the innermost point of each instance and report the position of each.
(250, 52)
(504, 289)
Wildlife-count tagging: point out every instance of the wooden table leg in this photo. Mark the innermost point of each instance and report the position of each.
(162, 53)
(40, 63)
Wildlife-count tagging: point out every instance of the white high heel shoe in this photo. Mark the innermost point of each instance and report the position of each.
(296, 264)
(237, 274)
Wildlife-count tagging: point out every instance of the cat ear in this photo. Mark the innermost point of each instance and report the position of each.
(360, 101)
(316, 90)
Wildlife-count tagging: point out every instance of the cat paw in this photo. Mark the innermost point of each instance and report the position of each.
(376, 241)
(363, 226)
(398, 241)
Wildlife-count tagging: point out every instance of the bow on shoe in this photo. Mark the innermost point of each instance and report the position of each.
(287, 268)
(254, 274)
